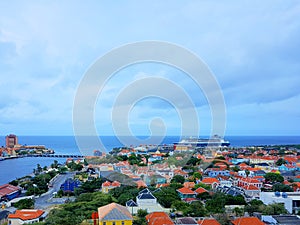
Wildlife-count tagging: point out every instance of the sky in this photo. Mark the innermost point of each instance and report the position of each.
(251, 47)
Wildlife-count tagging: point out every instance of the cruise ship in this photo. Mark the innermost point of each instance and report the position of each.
(215, 141)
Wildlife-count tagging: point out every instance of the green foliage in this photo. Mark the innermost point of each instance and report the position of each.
(166, 196)
(205, 186)
(142, 213)
(75, 166)
(14, 182)
(273, 209)
(273, 178)
(178, 179)
(76, 212)
(280, 161)
(282, 188)
(124, 193)
(25, 204)
(195, 209)
(235, 200)
(89, 186)
(193, 161)
(216, 204)
(204, 196)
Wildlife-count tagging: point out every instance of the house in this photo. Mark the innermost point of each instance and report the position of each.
(252, 191)
(249, 181)
(185, 193)
(210, 181)
(145, 197)
(201, 190)
(70, 185)
(159, 218)
(26, 216)
(208, 221)
(189, 184)
(247, 221)
(155, 179)
(114, 214)
(107, 186)
(214, 172)
(9, 192)
(186, 221)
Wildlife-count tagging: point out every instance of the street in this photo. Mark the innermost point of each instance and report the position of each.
(46, 199)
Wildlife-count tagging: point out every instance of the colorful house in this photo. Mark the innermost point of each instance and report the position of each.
(107, 186)
(247, 221)
(26, 216)
(159, 218)
(114, 214)
(208, 221)
(70, 185)
(185, 193)
(9, 192)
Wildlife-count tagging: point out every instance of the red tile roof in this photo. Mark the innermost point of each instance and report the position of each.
(7, 189)
(185, 190)
(208, 221)
(26, 214)
(247, 221)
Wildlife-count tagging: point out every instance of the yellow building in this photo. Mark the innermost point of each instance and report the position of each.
(114, 214)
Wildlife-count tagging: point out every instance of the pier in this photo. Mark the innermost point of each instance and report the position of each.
(55, 155)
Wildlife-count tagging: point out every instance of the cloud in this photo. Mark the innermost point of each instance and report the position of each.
(46, 47)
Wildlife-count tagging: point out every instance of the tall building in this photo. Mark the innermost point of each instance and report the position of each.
(11, 140)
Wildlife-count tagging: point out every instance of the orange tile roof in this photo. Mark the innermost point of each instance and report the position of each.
(116, 184)
(210, 180)
(200, 190)
(208, 221)
(189, 184)
(159, 218)
(185, 190)
(26, 214)
(251, 188)
(247, 221)
(106, 184)
(141, 183)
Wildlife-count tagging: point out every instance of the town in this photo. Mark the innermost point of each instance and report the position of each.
(165, 184)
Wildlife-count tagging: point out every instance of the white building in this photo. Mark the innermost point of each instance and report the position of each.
(291, 200)
(26, 216)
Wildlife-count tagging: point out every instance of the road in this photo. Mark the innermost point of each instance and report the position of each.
(46, 200)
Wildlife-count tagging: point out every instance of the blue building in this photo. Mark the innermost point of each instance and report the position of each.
(70, 185)
(9, 192)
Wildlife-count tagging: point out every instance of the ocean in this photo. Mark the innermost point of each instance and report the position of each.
(15, 168)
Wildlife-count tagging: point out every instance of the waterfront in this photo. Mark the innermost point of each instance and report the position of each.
(15, 168)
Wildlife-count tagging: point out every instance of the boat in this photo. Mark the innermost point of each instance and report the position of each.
(192, 142)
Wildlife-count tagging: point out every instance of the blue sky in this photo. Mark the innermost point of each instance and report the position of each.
(252, 47)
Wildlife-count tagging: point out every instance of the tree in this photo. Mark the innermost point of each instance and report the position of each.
(273, 178)
(280, 161)
(178, 179)
(195, 209)
(282, 188)
(142, 212)
(216, 204)
(247, 172)
(27, 203)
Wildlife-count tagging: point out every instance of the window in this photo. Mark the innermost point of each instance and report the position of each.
(104, 223)
(114, 223)
(123, 223)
